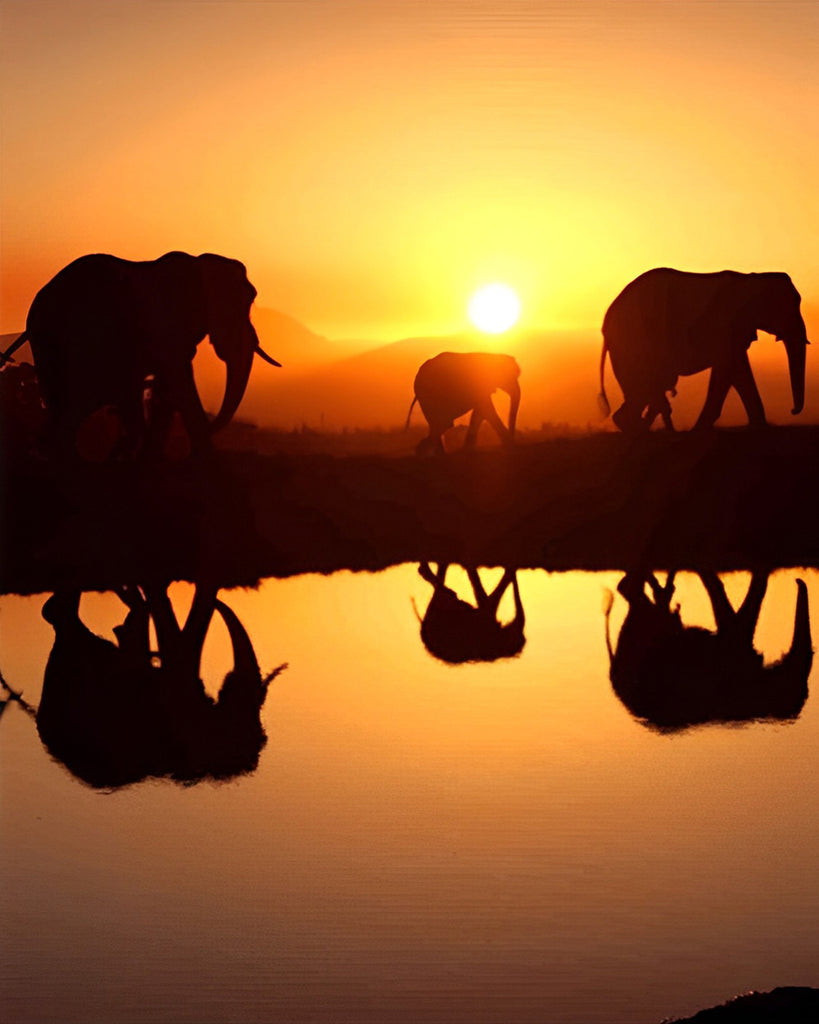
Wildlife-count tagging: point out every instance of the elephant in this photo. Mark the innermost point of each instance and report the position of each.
(455, 631)
(671, 676)
(104, 330)
(115, 713)
(455, 383)
(671, 323)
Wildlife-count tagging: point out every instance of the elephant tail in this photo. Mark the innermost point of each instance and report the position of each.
(602, 400)
(409, 414)
(5, 357)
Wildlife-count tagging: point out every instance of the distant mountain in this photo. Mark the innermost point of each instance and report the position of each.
(291, 343)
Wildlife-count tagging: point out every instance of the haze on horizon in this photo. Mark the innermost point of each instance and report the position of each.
(374, 163)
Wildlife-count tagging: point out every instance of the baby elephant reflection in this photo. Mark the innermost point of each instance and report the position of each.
(115, 713)
(455, 631)
(673, 676)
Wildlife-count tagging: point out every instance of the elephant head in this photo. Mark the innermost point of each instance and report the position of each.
(455, 383)
(228, 296)
(455, 631)
(117, 712)
(776, 310)
(671, 676)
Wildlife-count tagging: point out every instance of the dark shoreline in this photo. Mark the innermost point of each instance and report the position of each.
(723, 500)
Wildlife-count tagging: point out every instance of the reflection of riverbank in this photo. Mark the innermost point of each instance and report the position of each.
(722, 500)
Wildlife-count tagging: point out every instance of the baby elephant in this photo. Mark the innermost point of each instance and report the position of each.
(455, 383)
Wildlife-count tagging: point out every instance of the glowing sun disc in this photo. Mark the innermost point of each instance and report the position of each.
(494, 308)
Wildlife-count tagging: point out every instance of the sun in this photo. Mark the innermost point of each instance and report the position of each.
(494, 308)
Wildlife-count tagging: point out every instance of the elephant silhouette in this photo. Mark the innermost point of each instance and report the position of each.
(671, 676)
(103, 326)
(115, 713)
(455, 631)
(455, 383)
(670, 323)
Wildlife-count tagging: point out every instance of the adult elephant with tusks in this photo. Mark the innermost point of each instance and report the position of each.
(105, 326)
(670, 323)
(455, 383)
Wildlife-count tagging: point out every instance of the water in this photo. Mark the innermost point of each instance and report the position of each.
(486, 842)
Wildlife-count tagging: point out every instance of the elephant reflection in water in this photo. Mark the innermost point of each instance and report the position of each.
(456, 631)
(673, 676)
(116, 713)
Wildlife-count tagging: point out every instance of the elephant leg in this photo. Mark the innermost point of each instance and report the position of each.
(629, 418)
(181, 386)
(662, 408)
(132, 417)
(425, 572)
(494, 599)
(748, 614)
(724, 614)
(436, 579)
(487, 412)
(443, 568)
(746, 387)
(477, 585)
(649, 416)
(433, 444)
(474, 426)
(160, 417)
(662, 594)
(718, 385)
(168, 633)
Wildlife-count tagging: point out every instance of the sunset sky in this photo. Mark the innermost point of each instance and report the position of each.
(373, 163)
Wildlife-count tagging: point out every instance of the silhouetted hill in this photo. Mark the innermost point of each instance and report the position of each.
(294, 345)
(559, 384)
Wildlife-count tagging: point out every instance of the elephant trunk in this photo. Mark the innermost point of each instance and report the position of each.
(514, 395)
(245, 675)
(239, 361)
(786, 688)
(796, 364)
(800, 654)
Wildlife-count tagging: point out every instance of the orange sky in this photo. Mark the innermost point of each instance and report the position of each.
(374, 162)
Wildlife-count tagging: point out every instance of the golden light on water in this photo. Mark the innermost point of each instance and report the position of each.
(494, 308)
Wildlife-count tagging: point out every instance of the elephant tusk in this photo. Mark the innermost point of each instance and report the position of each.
(268, 359)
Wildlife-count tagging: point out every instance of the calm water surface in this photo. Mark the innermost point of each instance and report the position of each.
(424, 842)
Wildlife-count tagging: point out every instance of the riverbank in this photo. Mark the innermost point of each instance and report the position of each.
(728, 499)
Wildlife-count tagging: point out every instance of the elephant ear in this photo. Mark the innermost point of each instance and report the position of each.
(729, 312)
(228, 294)
(177, 299)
